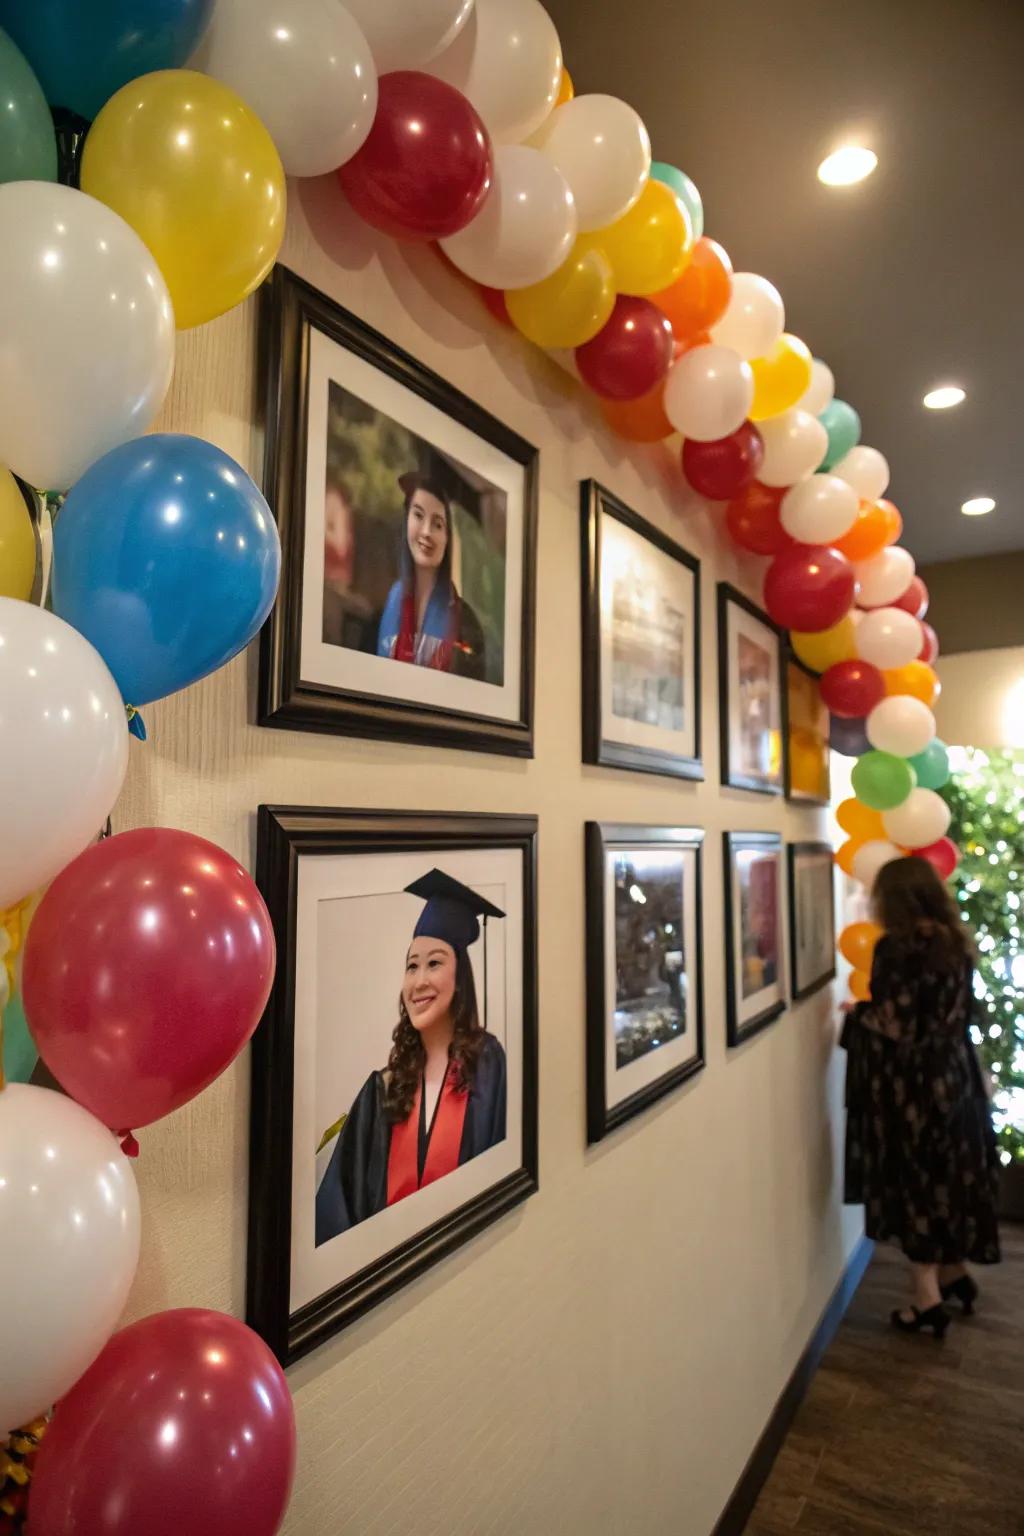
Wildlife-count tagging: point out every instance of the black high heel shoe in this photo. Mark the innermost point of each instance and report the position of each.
(936, 1318)
(966, 1292)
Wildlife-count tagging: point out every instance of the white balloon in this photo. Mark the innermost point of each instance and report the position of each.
(69, 1214)
(819, 509)
(526, 227)
(601, 147)
(922, 819)
(306, 70)
(708, 393)
(794, 444)
(507, 59)
(870, 857)
(65, 746)
(86, 333)
(866, 470)
(888, 637)
(755, 317)
(885, 577)
(820, 391)
(901, 725)
(405, 34)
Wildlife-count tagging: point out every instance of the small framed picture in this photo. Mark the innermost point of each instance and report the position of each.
(808, 779)
(749, 694)
(641, 643)
(407, 516)
(812, 924)
(755, 991)
(394, 1076)
(645, 982)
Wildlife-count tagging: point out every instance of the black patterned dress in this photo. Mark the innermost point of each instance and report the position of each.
(920, 1151)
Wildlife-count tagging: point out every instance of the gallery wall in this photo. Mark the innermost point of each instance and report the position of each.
(604, 1358)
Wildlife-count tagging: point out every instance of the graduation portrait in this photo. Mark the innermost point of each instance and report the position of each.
(397, 1061)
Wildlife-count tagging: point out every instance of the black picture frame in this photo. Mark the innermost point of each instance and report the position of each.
(791, 664)
(286, 835)
(794, 851)
(730, 776)
(290, 309)
(737, 1031)
(597, 503)
(600, 837)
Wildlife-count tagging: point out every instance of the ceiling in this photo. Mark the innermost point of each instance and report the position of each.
(913, 278)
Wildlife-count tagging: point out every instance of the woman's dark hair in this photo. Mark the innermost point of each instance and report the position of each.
(910, 901)
(409, 485)
(407, 1059)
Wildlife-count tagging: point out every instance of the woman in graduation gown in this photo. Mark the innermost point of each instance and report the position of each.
(441, 1100)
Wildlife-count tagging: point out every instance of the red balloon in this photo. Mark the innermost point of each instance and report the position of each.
(630, 354)
(426, 165)
(943, 856)
(494, 299)
(809, 587)
(851, 689)
(930, 649)
(752, 519)
(914, 600)
(147, 967)
(183, 1423)
(721, 470)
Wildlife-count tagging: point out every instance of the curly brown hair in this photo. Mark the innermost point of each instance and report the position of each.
(910, 901)
(408, 1058)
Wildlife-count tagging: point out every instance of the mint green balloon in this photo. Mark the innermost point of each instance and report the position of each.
(684, 189)
(842, 424)
(20, 1054)
(932, 765)
(881, 780)
(28, 148)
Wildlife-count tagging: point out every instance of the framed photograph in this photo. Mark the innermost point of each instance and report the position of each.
(394, 1076)
(808, 779)
(645, 979)
(812, 922)
(641, 643)
(408, 525)
(754, 986)
(749, 694)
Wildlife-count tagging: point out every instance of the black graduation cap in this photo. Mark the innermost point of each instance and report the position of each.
(452, 910)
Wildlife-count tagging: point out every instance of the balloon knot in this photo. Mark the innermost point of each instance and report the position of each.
(129, 1145)
(136, 724)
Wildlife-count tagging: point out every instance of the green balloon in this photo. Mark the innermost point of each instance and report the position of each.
(881, 780)
(842, 424)
(20, 1054)
(684, 189)
(932, 765)
(28, 148)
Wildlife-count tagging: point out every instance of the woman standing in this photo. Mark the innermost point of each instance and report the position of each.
(920, 1151)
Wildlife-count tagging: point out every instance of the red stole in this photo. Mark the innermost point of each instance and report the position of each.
(442, 1147)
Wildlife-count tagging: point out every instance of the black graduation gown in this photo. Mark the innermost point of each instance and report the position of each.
(355, 1185)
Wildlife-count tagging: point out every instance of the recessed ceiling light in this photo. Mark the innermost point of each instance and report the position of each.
(977, 506)
(851, 163)
(942, 398)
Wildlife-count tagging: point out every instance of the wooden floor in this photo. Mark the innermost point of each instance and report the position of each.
(902, 1436)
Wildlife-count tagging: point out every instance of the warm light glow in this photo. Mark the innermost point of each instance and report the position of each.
(845, 166)
(977, 506)
(942, 398)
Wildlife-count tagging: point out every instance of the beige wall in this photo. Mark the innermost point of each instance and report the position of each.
(602, 1360)
(982, 698)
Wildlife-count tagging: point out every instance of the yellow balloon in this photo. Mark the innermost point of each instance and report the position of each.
(566, 91)
(780, 378)
(192, 169)
(570, 306)
(822, 650)
(650, 245)
(860, 822)
(17, 541)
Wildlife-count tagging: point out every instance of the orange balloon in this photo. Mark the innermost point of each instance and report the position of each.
(916, 678)
(860, 822)
(872, 531)
(566, 90)
(857, 943)
(640, 421)
(695, 301)
(893, 520)
(860, 986)
(845, 856)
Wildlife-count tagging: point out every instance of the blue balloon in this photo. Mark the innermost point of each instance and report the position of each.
(932, 765)
(82, 51)
(848, 737)
(167, 558)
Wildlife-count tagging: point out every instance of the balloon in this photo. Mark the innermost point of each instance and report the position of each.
(917, 679)
(866, 470)
(721, 470)
(305, 69)
(930, 649)
(19, 1049)
(870, 857)
(526, 225)
(845, 855)
(639, 421)
(824, 648)
(630, 354)
(568, 308)
(884, 577)
(601, 147)
(650, 245)
(818, 510)
(82, 54)
(708, 393)
(684, 189)
(28, 149)
(943, 856)
(900, 725)
(920, 819)
(566, 90)
(809, 587)
(147, 968)
(69, 1212)
(88, 333)
(842, 424)
(872, 531)
(700, 295)
(66, 746)
(494, 300)
(860, 986)
(847, 737)
(183, 1423)
(794, 443)
(508, 61)
(881, 781)
(780, 377)
(931, 765)
(404, 36)
(820, 391)
(915, 599)
(852, 689)
(888, 638)
(754, 319)
(425, 170)
(893, 520)
(859, 821)
(752, 519)
(191, 168)
(17, 541)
